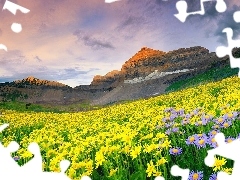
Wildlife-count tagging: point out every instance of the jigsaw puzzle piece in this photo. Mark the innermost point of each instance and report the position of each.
(227, 150)
(9, 169)
(4, 126)
(156, 178)
(12, 7)
(2, 46)
(35, 164)
(236, 16)
(182, 15)
(5, 155)
(177, 171)
(88, 178)
(234, 62)
(225, 176)
(221, 6)
(17, 28)
(53, 175)
(182, 6)
(221, 51)
(40, 175)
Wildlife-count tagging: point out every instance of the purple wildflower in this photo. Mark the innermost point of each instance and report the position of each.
(225, 116)
(201, 142)
(196, 175)
(216, 126)
(226, 124)
(181, 112)
(168, 132)
(175, 151)
(188, 116)
(213, 176)
(212, 142)
(195, 111)
(163, 119)
(16, 158)
(190, 140)
(229, 139)
(220, 120)
(176, 129)
(168, 109)
(213, 132)
(168, 125)
(172, 117)
(203, 135)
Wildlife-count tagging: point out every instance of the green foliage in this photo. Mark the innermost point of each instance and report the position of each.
(214, 74)
(13, 96)
(21, 107)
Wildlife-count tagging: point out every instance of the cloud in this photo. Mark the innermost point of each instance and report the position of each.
(38, 59)
(12, 57)
(92, 42)
(131, 21)
(43, 72)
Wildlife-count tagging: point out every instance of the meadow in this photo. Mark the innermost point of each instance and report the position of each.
(137, 140)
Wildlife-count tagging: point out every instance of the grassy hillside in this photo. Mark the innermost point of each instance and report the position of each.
(214, 74)
(136, 140)
(21, 107)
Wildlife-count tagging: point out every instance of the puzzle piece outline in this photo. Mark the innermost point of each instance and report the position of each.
(15, 27)
(227, 150)
(34, 166)
(222, 51)
(181, 7)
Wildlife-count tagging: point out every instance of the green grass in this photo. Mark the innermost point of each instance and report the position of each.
(211, 75)
(76, 107)
(214, 74)
(21, 107)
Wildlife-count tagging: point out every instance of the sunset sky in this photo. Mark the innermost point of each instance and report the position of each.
(70, 41)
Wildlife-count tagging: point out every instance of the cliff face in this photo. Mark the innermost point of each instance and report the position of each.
(111, 79)
(147, 60)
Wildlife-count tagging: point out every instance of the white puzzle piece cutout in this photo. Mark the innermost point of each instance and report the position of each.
(177, 171)
(222, 51)
(32, 169)
(15, 27)
(227, 150)
(182, 9)
(12, 7)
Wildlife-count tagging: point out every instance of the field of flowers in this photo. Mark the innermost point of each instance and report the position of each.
(138, 140)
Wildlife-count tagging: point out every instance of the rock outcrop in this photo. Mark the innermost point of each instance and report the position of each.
(147, 61)
(111, 79)
(31, 81)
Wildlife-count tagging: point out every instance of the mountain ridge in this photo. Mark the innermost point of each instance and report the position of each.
(147, 72)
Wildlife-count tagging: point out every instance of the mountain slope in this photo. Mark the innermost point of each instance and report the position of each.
(147, 73)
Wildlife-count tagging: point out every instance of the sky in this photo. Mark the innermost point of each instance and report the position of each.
(71, 41)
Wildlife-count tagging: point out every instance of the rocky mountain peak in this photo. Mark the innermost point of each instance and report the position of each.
(35, 81)
(144, 53)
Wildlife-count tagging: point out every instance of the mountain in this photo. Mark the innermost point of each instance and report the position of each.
(146, 73)
(37, 82)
